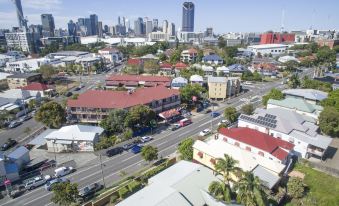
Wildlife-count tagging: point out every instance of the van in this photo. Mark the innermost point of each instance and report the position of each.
(62, 171)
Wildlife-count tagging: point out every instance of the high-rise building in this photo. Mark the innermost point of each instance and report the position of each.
(24, 41)
(188, 17)
(36, 29)
(20, 15)
(155, 24)
(209, 32)
(171, 29)
(149, 27)
(139, 27)
(165, 26)
(72, 30)
(48, 25)
(94, 24)
(119, 21)
(88, 27)
(100, 33)
(106, 29)
(124, 21)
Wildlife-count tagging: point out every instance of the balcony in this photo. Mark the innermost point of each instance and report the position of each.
(315, 151)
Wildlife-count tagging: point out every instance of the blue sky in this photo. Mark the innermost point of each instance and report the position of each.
(222, 15)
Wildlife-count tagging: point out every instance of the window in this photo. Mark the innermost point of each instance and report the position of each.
(248, 148)
(225, 139)
(261, 153)
(237, 144)
(200, 154)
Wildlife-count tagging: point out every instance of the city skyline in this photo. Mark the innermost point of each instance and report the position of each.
(243, 17)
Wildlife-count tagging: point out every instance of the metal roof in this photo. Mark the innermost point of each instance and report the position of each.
(18, 152)
(268, 178)
(311, 94)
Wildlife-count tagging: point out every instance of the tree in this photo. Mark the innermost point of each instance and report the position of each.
(231, 114)
(273, 94)
(47, 71)
(52, 114)
(247, 109)
(190, 90)
(175, 57)
(32, 104)
(139, 116)
(332, 100)
(221, 42)
(315, 84)
(114, 122)
(186, 149)
(231, 51)
(54, 47)
(151, 66)
(329, 121)
(128, 134)
(149, 153)
(220, 191)
(326, 56)
(200, 55)
(294, 81)
(250, 191)
(162, 57)
(225, 166)
(291, 65)
(64, 193)
(336, 48)
(295, 187)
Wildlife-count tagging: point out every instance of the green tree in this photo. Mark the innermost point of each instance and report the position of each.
(190, 90)
(32, 104)
(247, 109)
(139, 117)
(315, 84)
(187, 73)
(221, 42)
(186, 149)
(295, 187)
(151, 66)
(114, 122)
(294, 81)
(273, 94)
(64, 194)
(336, 49)
(54, 47)
(332, 100)
(175, 56)
(200, 55)
(51, 114)
(291, 65)
(225, 167)
(162, 57)
(326, 56)
(149, 153)
(231, 114)
(329, 121)
(77, 47)
(128, 134)
(47, 71)
(312, 47)
(220, 191)
(250, 191)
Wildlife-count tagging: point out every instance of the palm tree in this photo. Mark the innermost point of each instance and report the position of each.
(225, 166)
(250, 191)
(220, 191)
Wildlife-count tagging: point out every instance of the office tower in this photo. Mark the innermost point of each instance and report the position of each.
(94, 24)
(187, 17)
(209, 32)
(149, 26)
(88, 27)
(124, 21)
(24, 41)
(20, 15)
(106, 29)
(72, 30)
(100, 34)
(171, 29)
(155, 24)
(138, 26)
(165, 26)
(48, 25)
(36, 29)
(119, 21)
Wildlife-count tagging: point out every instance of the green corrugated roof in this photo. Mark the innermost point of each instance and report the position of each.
(295, 103)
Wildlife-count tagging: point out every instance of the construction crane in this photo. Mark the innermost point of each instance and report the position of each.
(21, 19)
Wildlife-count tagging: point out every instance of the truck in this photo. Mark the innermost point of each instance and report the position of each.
(185, 122)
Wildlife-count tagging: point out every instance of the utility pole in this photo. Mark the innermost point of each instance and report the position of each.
(102, 172)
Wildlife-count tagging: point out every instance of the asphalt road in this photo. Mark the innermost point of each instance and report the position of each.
(166, 142)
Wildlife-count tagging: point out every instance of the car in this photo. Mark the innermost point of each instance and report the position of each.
(62, 171)
(204, 132)
(215, 114)
(145, 139)
(114, 151)
(208, 111)
(136, 149)
(77, 88)
(17, 191)
(175, 127)
(224, 121)
(25, 118)
(88, 192)
(49, 184)
(200, 109)
(35, 182)
(128, 146)
(47, 165)
(68, 94)
(14, 124)
(10, 143)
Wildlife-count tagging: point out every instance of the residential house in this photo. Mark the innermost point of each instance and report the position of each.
(22, 79)
(111, 55)
(196, 79)
(208, 70)
(79, 138)
(213, 59)
(134, 81)
(189, 56)
(94, 105)
(36, 87)
(289, 126)
(180, 66)
(310, 95)
(178, 82)
(166, 68)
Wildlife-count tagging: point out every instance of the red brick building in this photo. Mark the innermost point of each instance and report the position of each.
(133, 81)
(276, 38)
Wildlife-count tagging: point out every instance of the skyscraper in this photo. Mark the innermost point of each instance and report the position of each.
(149, 27)
(20, 15)
(94, 24)
(171, 29)
(188, 17)
(48, 25)
(138, 26)
(155, 24)
(100, 33)
(119, 21)
(165, 26)
(72, 31)
(88, 27)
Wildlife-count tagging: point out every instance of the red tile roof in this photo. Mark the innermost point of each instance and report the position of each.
(137, 78)
(257, 139)
(169, 113)
(35, 86)
(180, 65)
(165, 65)
(134, 61)
(109, 49)
(105, 99)
(280, 153)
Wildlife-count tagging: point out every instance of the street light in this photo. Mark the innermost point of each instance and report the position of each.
(102, 172)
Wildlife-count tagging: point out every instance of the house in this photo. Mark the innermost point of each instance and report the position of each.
(287, 58)
(111, 55)
(149, 57)
(310, 95)
(265, 69)
(300, 106)
(289, 126)
(94, 105)
(196, 79)
(256, 152)
(333, 79)
(223, 87)
(213, 59)
(180, 66)
(208, 70)
(236, 69)
(267, 49)
(178, 82)
(134, 81)
(79, 138)
(185, 183)
(36, 87)
(22, 79)
(90, 64)
(166, 68)
(189, 56)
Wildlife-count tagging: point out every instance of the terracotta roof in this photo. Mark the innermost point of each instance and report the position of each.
(257, 139)
(109, 49)
(120, 99)
(169, 113)
(266, 66)
(134, 61)
(280, 153)
(180, 65)
(137, 78)
(35, 86)
(165, 65)
(192, 51)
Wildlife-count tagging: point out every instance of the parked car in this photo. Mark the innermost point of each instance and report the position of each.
(146, 139)
(136, 149)
(17, 191)
(10, 143)
(25, 118)
(62, 171)
(49, 184)
(204, 132)
(128, 146)
(208, 111)
(88, 192)
(35, 182)
(114, 151)
(175, 127)
(14, 124)
(215, 114)
(68, 94)
(224, 121)
(48, 164)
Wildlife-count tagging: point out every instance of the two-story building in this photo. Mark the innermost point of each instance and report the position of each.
(189, 55)
(94, 105)
(219, 88)
(22, 79)
(134, 81)
(111, 55)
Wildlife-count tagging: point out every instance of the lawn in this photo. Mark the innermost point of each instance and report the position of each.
(324, 188)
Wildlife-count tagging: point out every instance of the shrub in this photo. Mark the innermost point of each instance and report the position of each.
(123, 192)
(114, 198)
(134, 186)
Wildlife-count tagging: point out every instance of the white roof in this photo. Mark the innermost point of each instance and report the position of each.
(15, 94)
(207, 68)
(217, 79)
(222, 68)
(267, 46)
(4, 75)
(306, 93)
(196, 78)
(180, 80)
(76, 133)
(287, 58)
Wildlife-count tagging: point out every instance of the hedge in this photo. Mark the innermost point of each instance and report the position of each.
(123, 192)
(134, 186)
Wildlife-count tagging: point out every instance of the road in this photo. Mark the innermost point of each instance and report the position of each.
(165, 141)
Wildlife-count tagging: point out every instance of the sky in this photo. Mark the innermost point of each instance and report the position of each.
(223, 15)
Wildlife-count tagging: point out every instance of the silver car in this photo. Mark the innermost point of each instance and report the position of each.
(35, 182)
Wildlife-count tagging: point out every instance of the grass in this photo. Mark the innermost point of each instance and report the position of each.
(322, 187)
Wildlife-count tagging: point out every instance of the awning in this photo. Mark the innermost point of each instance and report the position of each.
(169, 114)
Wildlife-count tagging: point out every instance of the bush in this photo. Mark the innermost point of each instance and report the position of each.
(134, 186)
(123, 192)
(114, 198)
(105, 142)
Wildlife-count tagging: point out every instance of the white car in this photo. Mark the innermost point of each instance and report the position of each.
(224, 121)
(35, 182)
(205, 132)
(146, 139)
(62, 171)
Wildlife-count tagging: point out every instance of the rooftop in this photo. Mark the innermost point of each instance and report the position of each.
(212, 57)
(295, 103)
(196, 78)
(121, 99)
(23, 75)
(264, 46)
(217, 79)
(75, 132)
(35, 86)
(138, 78)
(311, 94)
